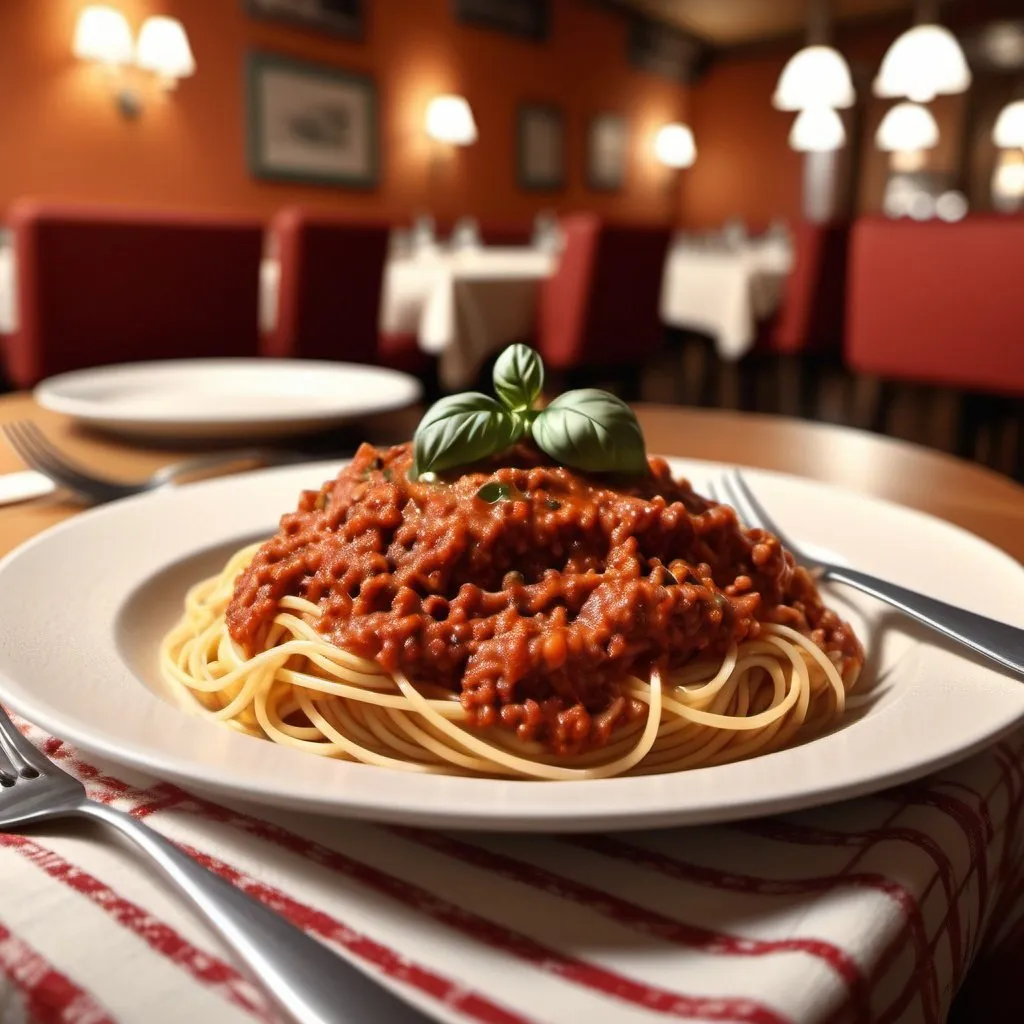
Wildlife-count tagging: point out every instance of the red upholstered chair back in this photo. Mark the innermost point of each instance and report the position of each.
(601, 306)
(937, 302)
(100, 285)
(813, 303)
(329, 294)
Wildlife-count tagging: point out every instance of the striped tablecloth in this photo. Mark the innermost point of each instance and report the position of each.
(870, 910)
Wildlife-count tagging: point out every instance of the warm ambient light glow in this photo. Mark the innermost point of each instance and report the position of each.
(102, 34)
(817, 130)
(449, 119)
(907, 126)
(1008, 132)
(924, 62)
(674, 145)
(163, 48)
(816, 76)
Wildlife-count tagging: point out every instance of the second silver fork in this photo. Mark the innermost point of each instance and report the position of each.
(307, 980)
(998, 641)
(36, 450)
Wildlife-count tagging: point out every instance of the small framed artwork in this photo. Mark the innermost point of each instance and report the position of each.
(606, 152)
(540, 146)
(528, 19)
(311, 122)
(338, 17)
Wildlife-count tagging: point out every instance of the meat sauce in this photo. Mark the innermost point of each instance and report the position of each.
(532, 599)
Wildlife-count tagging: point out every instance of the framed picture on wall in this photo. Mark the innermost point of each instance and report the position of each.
(606, 152)
(311, 123)
(540, 146)
(528, 19)
(339, 17)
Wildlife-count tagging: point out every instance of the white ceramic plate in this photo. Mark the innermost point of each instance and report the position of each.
(225, 398)
(84, 605)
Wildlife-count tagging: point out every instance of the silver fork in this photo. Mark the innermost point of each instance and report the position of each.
(36, 450)
(999, 641)
(307, 980)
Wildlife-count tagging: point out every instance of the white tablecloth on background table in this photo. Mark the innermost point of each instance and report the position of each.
(463, 306)
(8, 290)
(866, 911)
(723, 292)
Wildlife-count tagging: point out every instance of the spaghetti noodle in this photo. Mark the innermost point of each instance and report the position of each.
(284, 644)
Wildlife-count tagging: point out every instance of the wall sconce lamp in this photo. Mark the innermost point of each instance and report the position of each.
(449, 119)
(103, 36)
(674, 146)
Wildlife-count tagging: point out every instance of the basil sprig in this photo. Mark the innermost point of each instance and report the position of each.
(588, 429)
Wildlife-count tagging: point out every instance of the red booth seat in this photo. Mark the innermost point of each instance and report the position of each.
(810, 316)
(601, 306)
(938, 303)
(99, 285)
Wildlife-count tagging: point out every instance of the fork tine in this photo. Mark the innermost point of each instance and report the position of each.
(59, 457)
(33, 456)
(755, 513)
(712, 490)
(24, 757)
(42, 458)
(734, 497)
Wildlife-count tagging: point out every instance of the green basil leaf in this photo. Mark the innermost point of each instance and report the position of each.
(493, 492)
(461, 429)
(518, 377)
(591, 430)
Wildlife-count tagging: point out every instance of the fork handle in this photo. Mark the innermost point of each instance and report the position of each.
(305, 978)
(999, 641)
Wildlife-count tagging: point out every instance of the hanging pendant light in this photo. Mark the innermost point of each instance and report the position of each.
(816, 76)
(907, 127)
(1008, 132)
(817, 130)
(925, 62)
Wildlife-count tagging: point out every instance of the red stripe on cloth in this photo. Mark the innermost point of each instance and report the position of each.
(895, 1011)
(218, 975)
(642, 919)
(509, 942)
(454, 994)
(973, 826)
(50, 997)
(808, 835)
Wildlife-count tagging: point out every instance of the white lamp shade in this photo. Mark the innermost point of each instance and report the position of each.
(163, 47)
(816, 76)
(674, 145)
(102, 34)
(817, 130)
(1008, 132)
(449, 119)
(907, 126)
(924, 62)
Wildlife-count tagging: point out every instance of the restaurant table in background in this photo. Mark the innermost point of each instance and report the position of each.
(8, 286)
(724, 292)
(871, 909)
(464, 306)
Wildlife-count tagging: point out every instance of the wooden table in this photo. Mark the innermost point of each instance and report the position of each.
(971, 497)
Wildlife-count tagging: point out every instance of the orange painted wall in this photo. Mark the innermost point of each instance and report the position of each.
(744, 167)
(60, 135)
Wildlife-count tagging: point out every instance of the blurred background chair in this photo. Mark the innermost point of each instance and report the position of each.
(941, 304)
(330, 291)
(99, 285)
(597, 315)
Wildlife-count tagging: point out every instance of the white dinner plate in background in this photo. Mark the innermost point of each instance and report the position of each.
(225, 398)
(80, 660)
